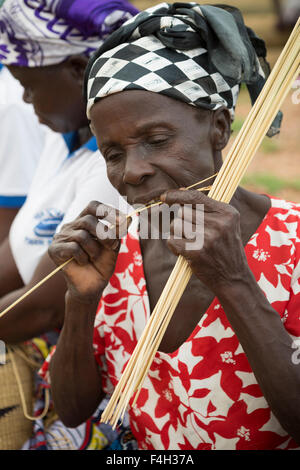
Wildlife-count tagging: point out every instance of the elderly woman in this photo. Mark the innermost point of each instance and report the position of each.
(46, 46)
(226, 375)
(22, 140)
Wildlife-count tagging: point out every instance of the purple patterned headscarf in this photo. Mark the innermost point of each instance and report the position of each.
(36, 33)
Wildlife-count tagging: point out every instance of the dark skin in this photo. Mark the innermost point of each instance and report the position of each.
(7, 216)
(158, 145)
(56, 95)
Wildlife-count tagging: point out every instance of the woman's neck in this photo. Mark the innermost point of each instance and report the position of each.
(252, 208)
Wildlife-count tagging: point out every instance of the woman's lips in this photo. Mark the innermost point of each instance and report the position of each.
(148, 200)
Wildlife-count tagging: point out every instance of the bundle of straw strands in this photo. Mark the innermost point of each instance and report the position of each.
(233, 169)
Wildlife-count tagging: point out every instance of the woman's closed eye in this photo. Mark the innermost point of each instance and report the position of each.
(113, 155)
(158, 140)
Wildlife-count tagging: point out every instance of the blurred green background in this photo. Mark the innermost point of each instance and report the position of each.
(275, 169)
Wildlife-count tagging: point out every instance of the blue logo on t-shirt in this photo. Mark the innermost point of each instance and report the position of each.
(49, 220)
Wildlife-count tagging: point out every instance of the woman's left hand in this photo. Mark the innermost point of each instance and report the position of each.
(212, 244)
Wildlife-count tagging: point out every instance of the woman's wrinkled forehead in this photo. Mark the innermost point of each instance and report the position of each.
(137, 112)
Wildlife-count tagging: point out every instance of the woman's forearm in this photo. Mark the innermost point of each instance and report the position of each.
(38, 313)
(10, 278)
(75, 375)
(268, 348)
(27, 319)
(7, 216)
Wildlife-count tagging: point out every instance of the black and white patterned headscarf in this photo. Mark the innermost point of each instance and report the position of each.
(198, 54)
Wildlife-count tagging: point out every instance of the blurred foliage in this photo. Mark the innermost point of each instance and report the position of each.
(267, 146)
(270, 183)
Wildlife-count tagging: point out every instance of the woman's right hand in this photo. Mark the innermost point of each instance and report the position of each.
(94, 248)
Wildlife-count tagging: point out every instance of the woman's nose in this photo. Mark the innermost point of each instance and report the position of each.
(27, 96)
(137, 168)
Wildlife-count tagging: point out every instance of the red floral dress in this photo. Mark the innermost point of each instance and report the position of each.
(204, 395)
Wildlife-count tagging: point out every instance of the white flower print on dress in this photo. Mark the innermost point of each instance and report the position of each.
(137, 258)
(167, 394)
(285, 316)
(261, 255)
(244, 433)
(227, 357)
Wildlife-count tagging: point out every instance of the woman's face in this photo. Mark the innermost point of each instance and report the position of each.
(152, 143)
(55, 93)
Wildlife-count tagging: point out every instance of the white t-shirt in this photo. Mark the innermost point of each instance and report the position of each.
(22, 139)
(63, 185)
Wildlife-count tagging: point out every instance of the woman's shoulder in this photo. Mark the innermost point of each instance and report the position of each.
(279, 230)
(284, 205)
(282, 224)
(284, 211)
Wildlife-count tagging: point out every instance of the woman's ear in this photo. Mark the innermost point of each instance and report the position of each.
(77, 65)
(221, 128)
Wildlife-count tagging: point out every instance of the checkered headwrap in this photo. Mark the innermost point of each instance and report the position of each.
(197, 54)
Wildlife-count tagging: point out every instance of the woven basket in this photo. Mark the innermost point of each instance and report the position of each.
(15, 429)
